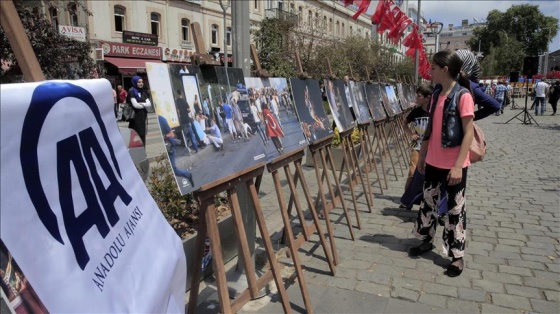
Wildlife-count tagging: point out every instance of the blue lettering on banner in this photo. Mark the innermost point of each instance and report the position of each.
(75, 152)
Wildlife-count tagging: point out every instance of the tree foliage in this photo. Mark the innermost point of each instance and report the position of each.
(524, 26)
(59, 56)
(277, 41)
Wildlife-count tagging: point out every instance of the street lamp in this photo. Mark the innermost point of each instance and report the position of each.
(225, 5)
(436, 28)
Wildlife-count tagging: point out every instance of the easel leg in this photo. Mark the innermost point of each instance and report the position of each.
(386, 142)
(197, 262)
(365, 185)
(269, 249)
(379, 145)
(371, 160)
(346, 148)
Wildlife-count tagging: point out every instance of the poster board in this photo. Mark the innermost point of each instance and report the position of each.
(309, 108)
(361, 109)
(339, 104)
(410, 95)
(218, 156)
(390, 101)
(374, 100)
(274, 93)
(119, 254)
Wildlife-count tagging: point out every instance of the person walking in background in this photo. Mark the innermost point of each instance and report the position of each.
(444, 159)
(238, 121)
(500, 94)
(257, 118)
(541, 92)
(228, 112)
(169, 138)
(196, 105)
(273, 129)
(554, 97)
(138, 99)
(122, 102)
(185, 113)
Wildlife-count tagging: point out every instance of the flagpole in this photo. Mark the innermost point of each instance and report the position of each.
(418, 22)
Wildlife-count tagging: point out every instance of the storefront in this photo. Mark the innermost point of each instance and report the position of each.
(123, 61)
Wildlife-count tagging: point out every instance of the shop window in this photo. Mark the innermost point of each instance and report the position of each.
(185, 24)
(119, 18)
(154, 22)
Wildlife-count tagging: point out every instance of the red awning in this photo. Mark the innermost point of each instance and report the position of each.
(126, 65)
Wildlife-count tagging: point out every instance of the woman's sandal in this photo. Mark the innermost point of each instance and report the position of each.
(421, 249)
(454, 270)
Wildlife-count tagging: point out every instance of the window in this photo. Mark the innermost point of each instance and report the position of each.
(330, 26)
(280, 5)
(292, 7)
(154, 22)
(228, 36)
(119, 19)
(351, 30)
(73, 14)
(309, 17)
(337, 28)
(300, 12)
(53, 12)
(214, 34)
(324, 21)
(343, 30)
(185, 29)
(256, 4)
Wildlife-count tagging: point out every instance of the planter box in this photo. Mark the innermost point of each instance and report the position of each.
(336, 153)
(229, 248)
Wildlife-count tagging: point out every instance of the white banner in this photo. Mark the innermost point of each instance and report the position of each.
(75, 214)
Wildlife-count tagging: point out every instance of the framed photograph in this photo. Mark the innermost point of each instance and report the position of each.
(273, 116)
(390, 101)
(338, 95)
(375, 101)
(309, 108)
(361, 108)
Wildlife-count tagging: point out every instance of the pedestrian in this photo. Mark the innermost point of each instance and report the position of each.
(228, 113)
(444, 159)
(196, 105)
(257, 116)
(171, 142)
(138, 99)
(186, 120)
(541, 92)
(273, 129)
(238, 120)
(122, 102)
(487, 105)
(554, 97)
(418, 117)
(500, 94)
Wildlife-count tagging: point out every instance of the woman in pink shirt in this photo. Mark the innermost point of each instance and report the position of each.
(444, 158)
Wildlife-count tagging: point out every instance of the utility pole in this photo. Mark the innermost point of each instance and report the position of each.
(240, 11)
(419, 23)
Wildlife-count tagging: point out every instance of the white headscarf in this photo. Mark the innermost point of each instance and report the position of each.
(470, 64)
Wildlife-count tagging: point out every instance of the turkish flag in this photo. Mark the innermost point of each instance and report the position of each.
(362, 7)
(379, 11)
(388, 21)
(348, 2)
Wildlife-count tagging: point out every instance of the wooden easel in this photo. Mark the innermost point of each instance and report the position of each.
(321, 150)
(209, 226)
(283, 162)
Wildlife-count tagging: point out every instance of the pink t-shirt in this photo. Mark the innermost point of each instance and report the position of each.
(445, 158)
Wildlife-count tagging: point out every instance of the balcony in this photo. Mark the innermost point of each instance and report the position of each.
(282, 15)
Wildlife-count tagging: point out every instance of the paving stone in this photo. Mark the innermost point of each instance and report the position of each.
(405, 294)
(505, 255)
(523, 291)
(535, 258)
(373, 288)
(433, 299)
(462, 306)
(407, 283)
(440, 289)
(511, 301)
(514, 270)
(503, 278)
(527, 264)
(472, 294)
(373, 276)
(343, 283)
(492, 309)
(541, 306)
(553, 296)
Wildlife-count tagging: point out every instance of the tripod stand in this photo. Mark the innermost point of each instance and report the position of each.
(527, 117)
(513, 104)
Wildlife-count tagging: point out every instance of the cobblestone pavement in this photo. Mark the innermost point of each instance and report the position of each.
(512, 255)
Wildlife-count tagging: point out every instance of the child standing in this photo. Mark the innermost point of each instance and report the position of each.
(444, 158)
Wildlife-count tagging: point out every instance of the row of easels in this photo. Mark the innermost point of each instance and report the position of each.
(356, 166)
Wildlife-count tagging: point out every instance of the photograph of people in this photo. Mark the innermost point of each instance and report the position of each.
(360, 105)
(337, 99)
(281, 127)
(392, 101)
(208, 155)
(309, 108)
(374, 100)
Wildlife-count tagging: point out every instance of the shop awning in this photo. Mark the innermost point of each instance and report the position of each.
(127, 65)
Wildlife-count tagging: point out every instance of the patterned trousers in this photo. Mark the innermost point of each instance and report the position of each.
(454, 233)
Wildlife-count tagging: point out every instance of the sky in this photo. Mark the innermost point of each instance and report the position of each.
(452, 11)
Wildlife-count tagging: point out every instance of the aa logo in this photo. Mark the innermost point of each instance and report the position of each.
(80, 153)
